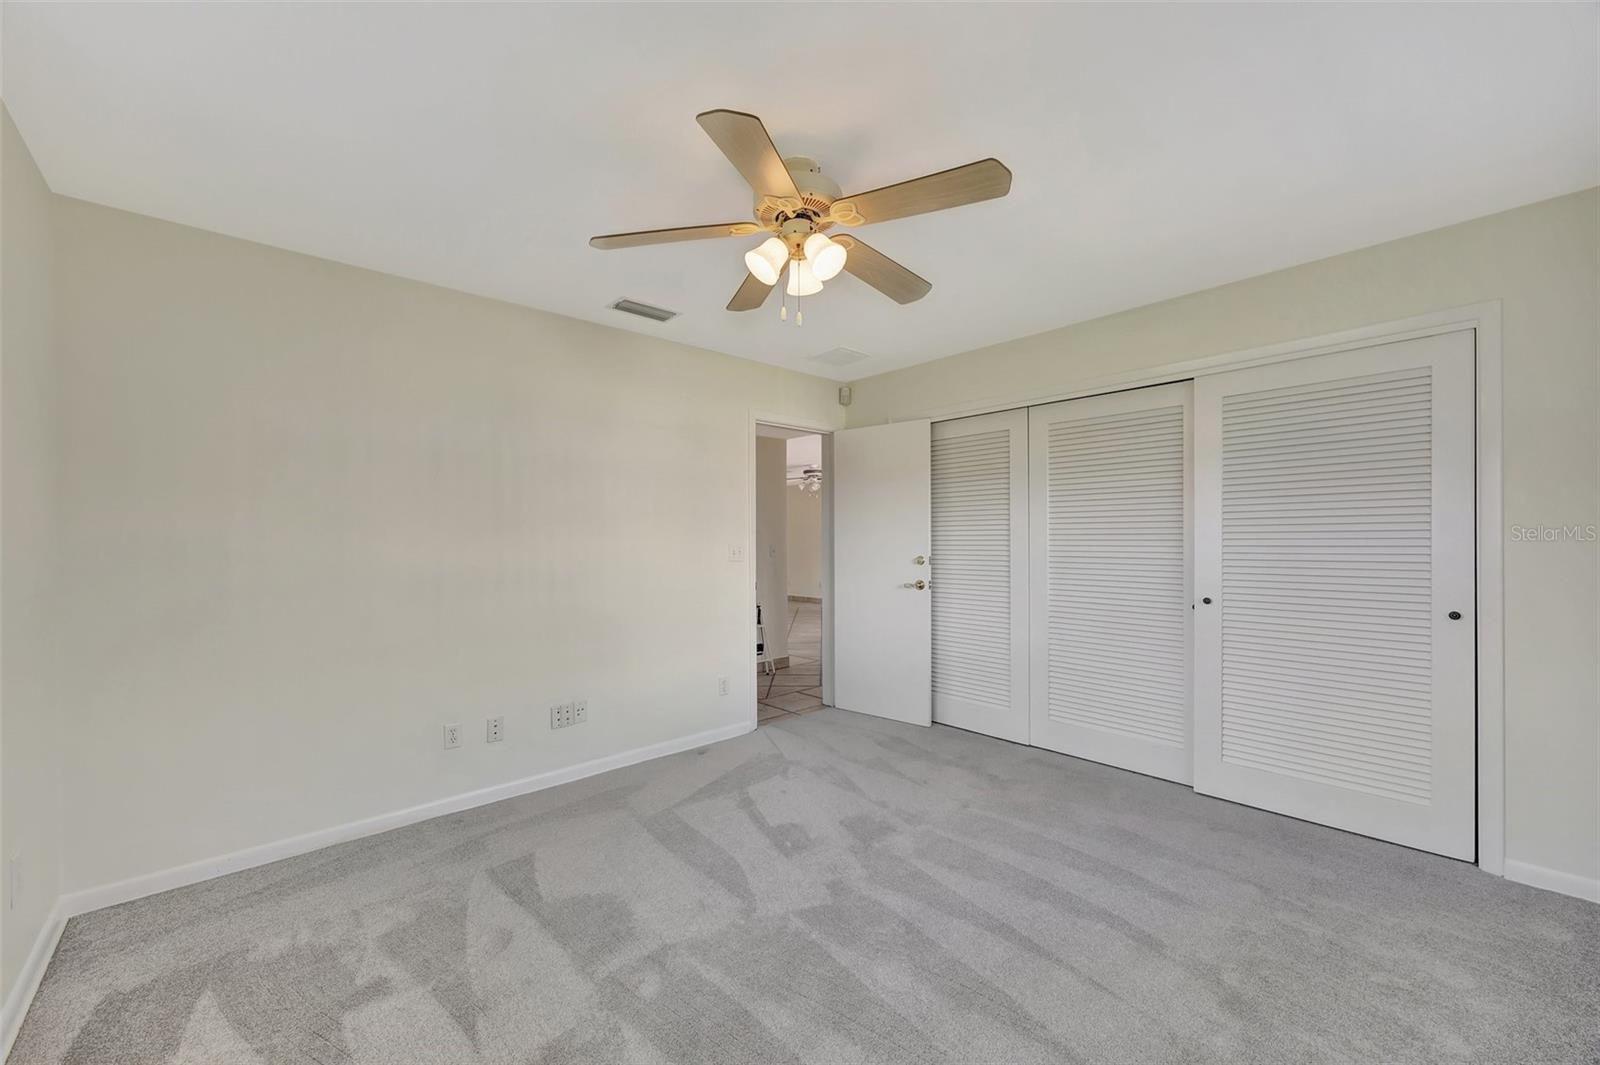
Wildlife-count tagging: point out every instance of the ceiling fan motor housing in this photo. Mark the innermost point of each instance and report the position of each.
(794, 222)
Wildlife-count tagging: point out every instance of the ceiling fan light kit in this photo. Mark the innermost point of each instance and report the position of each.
(795, 203)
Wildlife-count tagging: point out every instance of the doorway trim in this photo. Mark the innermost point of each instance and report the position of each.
(1484, 319)
(785, 421)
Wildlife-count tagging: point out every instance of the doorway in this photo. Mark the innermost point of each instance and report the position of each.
(790, 571)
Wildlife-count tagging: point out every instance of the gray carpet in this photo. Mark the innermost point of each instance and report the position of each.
(835, 888)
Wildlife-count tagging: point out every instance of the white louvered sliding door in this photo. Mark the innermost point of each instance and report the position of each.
(980, 574)
(1334, 501)
(1110, 676)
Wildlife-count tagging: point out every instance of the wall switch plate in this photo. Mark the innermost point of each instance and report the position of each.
(561, 715)
(495, 730)
(735, 552)
(722, 685)
(452, 737)
(580, 711)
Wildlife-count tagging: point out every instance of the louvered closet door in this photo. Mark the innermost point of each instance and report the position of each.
(1110, 615)
(980, 574)
(1334, 536)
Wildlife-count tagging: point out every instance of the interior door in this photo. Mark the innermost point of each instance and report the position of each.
(882, 624)
(1111, 651)
(1335, 552)
(980, 558)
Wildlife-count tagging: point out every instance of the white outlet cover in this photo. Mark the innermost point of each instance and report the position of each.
(735, 552)
(452, 737)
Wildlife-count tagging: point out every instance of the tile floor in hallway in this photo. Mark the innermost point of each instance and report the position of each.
(798, 688)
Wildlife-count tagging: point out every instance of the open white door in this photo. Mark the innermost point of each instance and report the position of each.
(882, 622)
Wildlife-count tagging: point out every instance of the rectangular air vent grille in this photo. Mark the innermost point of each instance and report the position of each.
(839, 357)
(644, 310)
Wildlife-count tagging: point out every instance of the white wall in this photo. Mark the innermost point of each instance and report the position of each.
(314, 513)
(805, 542)
(1543, 263)
(30, 807)
(772, 557)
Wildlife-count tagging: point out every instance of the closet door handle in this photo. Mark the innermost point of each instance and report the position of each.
(1206, 600)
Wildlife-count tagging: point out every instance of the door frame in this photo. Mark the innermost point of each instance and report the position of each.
(1484, 320)
(800, 425)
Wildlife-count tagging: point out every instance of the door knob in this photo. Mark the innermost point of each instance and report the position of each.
(1455, 615)
(920, 560)
(918, 584)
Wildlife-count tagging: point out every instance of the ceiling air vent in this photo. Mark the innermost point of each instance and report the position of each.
(644, 310)
(839, 357)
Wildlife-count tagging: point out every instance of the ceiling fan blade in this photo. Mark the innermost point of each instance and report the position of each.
(882, 272)
(987, 179)
(671, 236)
(751, 294)
(744, 140)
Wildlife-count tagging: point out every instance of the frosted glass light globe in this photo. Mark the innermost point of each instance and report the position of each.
(765, 262)
(802, 280)
(826, 256)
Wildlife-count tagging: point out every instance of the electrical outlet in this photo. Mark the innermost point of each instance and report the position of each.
(561, 715)
(722, 685)
(495, 731)
(735, 552)
(452, 737)
(580, 711)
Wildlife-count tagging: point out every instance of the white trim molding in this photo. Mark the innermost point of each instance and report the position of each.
(138, 887)
(1579, 887)
(28, 979)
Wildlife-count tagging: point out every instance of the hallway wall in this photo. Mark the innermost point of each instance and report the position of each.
(805, 541)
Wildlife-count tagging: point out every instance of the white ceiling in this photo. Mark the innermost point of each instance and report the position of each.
(1157, 150)
(805, 451)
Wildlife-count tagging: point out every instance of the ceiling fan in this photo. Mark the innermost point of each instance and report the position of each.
(796, 204)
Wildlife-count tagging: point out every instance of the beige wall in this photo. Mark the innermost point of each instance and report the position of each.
(1543, 263)
(30, 807)
(772, 539)
(805, 542)
(313, 513)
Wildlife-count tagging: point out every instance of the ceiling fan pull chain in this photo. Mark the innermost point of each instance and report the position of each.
(783, 296)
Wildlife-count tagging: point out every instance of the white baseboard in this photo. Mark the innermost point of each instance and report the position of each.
(1538, 876)
(138, 887)
(21, 996)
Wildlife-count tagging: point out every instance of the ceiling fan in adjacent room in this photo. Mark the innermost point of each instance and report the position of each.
(797, 205)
